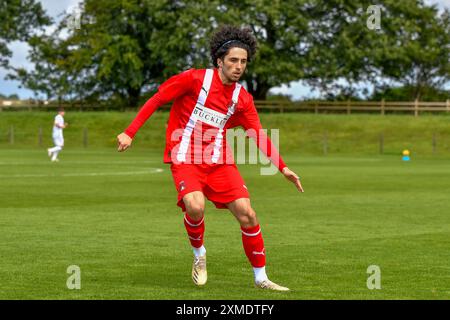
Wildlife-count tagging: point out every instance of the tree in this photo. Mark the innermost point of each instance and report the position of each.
(342, 47)
(18, 20)
(281, 28)
(411, 46)
(328, 42)
(419, 58)
(407, 93)
(126, 47)
(48, 76)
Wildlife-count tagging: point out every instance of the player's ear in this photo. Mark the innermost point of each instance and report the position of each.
(219, 63)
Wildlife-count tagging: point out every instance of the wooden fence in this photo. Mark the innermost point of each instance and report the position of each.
(382, 107)
(323, 140)
(349, 107)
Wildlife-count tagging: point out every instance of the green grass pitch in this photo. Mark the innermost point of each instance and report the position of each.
(114, 215)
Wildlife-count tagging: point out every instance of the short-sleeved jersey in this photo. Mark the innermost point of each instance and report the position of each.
(57, 131)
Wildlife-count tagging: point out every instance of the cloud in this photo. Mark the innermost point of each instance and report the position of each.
(19, 59)
(55, 9)
(298, 90)
(441, 4)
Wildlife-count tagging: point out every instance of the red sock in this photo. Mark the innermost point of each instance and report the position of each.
(195, 230)
(254, 246)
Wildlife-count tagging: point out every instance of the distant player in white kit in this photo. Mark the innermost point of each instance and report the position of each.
(58, 138)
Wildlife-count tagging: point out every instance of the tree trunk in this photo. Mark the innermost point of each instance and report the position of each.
(417, 92)
(258, 89)
(133, 97)
(261, 92)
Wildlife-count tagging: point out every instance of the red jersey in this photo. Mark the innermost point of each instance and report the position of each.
(202, 111)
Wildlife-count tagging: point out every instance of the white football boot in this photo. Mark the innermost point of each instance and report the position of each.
(269, 285)
(199, 274)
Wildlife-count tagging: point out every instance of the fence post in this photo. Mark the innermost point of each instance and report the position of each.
(416, 107)
(447, 105)
(381, 143)
(85, 137)
(325, 143)
(434, 142)
(382, 107)
(11, 134)
(348, 107)
(316, 109)
(40, 137)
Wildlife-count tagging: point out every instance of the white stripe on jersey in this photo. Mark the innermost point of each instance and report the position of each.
(208, 116)
(187, 132)
(219, 136)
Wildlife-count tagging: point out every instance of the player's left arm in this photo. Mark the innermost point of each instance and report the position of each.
(293, 177)
(252, 125)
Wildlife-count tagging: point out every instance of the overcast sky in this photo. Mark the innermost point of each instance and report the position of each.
(55, 8)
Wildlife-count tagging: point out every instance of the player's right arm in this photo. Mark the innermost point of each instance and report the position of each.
(175, 87)
(59, 122)
(62, 126)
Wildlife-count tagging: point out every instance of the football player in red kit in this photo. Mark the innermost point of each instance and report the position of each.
(206, 104)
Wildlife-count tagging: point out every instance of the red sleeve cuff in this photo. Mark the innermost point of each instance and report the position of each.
(281, 165)
(129, 133)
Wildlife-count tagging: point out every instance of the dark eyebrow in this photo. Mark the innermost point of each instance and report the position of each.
(236, 58)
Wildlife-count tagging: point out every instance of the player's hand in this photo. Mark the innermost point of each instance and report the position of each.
(123, 141)
(293, 177)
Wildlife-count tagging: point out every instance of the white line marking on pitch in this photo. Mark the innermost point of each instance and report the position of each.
(88, 174)
(68, 162)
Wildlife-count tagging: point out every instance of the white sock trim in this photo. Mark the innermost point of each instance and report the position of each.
(199, 251)
(260, 274)
(251, 234)
(193, 225)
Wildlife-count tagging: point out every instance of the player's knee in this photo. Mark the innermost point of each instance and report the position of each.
(195, 209)
(252, 220)
(247, 216)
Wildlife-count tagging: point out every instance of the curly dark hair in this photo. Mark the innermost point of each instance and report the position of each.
(228, 37)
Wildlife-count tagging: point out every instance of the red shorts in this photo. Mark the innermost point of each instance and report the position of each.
(221, 183)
